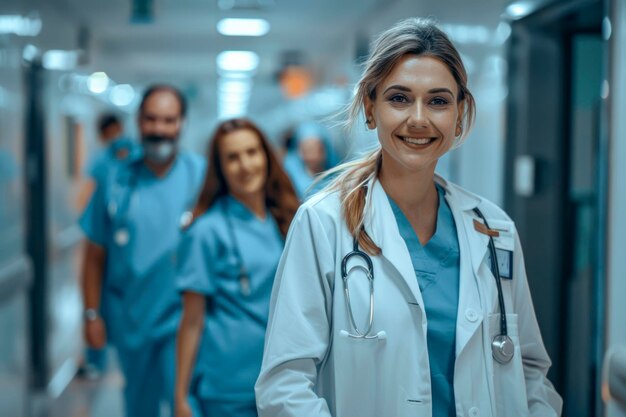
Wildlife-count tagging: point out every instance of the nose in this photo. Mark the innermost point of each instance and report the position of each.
(160, 127)
(246, 164)
(418, 118)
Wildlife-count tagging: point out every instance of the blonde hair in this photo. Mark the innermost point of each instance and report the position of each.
(414, 36)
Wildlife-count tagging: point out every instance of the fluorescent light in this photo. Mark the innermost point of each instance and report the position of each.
(241, 86)
(30, 53)
(122, 95)
(98, 82)
(234, 98)
(56, 59)
(519, 9)
(20, 25)
(243, 27)
(233, 106)
(235, 75)
(237, 61)
(226, 111)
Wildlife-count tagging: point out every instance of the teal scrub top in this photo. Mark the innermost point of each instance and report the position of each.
(136, 217)
(304, 183)
(231, 351)
(100, 166)
(437, 268)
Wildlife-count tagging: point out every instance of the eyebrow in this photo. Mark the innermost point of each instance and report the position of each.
(441, 90)
(408, 90)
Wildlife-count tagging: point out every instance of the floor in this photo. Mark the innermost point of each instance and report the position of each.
(85, 397)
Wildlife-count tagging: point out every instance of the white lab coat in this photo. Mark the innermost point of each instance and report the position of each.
(310, 369)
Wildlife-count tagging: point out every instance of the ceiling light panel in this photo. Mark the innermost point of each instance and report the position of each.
(243, 27)
(238, 61)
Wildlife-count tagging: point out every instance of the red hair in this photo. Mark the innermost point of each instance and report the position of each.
(280, 196)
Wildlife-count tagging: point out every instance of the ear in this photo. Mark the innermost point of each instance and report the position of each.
(459, 119)
(368, 111)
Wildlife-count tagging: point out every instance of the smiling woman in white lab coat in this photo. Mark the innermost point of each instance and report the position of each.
(411, 324)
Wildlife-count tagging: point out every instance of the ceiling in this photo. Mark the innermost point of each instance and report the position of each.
(181, 42)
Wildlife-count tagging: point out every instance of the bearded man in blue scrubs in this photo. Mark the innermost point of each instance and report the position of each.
(132, 224)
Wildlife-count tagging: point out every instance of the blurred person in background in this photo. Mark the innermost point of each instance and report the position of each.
(227, 262)
(116, 148)
(309, 153)
(400, 293)
(132, 224)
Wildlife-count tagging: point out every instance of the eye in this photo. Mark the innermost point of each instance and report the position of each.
(439, 101)
(398, 98)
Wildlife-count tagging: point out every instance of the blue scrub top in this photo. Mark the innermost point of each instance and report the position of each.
(136, 217)
(100, 165)
(303, 182)
(437, 268)
(229, 359)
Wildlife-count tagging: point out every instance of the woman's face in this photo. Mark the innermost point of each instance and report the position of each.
(416, 114)
(313, 154)
(244, 163)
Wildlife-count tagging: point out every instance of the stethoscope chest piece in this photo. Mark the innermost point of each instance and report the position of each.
(502, 349)
(244, 284)
(121, 237)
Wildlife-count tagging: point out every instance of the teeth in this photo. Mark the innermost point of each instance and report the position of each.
(417, 141)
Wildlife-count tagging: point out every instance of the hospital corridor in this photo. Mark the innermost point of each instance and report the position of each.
(328, 208)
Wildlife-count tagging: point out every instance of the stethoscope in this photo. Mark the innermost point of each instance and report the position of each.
(120, 207)
(502, 347)
(244, 276)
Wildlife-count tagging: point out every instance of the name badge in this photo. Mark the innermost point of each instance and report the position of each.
(505, 263)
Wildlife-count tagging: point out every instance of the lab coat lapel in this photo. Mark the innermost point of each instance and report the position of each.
(473, 247)
(462, 205)
(381, 225)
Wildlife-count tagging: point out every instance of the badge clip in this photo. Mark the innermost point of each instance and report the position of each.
(481, 228)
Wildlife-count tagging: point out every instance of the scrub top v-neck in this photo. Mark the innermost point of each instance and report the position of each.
(211, 257)
(437, 269)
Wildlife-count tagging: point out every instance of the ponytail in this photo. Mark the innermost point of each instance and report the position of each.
(352, 187)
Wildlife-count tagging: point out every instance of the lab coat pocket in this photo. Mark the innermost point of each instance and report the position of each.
(409, 406)
(359, 369)
(508, 379)
(359, 360)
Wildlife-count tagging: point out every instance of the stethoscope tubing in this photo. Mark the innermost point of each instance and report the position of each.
(496, 271)
(502, 345)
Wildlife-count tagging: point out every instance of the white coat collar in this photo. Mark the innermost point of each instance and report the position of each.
(386, 233)
(380, 224)
(464, 203)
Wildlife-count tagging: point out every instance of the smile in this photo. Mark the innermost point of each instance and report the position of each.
(417, 141)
